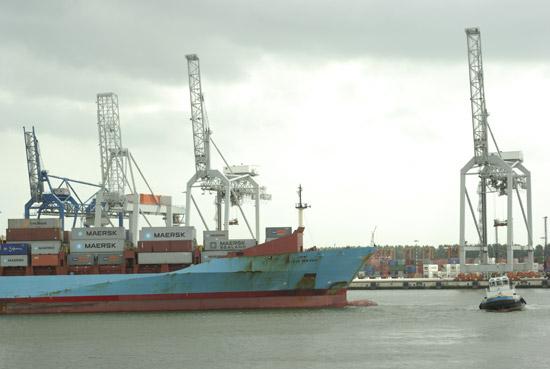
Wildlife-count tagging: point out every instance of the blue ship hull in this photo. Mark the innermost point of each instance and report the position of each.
(305, 279)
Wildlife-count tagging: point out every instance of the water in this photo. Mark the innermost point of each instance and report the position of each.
(409, 329)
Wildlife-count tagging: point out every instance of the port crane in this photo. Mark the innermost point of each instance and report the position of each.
(51, 195)
(119, 197)
(232, 185)
(498, 172)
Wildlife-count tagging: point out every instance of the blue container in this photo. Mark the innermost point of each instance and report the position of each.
(14, 248)
(410, 269)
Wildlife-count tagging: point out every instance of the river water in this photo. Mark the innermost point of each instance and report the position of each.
(408, 329)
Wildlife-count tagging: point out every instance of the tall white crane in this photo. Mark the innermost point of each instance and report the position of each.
(499, 172)
(119, 195)
(110, 143)
(231, 186)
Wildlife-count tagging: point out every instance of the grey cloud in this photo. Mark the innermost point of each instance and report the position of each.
(149, 40)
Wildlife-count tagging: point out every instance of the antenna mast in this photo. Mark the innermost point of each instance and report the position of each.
(301, 207)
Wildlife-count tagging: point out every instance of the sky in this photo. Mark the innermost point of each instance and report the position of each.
(364, 103)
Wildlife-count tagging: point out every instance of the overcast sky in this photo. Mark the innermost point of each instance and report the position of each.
(366, 103)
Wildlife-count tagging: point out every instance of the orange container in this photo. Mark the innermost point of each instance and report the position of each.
(149, 199)
(45, 260)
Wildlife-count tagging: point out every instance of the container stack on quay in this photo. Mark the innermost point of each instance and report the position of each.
(97, 250)
(41, 250)
(164, 249)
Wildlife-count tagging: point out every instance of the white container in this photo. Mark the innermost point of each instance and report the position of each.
(165, 258)
(45, 247)
(98, 233)
(240, 170)
(229, 245)
(209, 236)
(14, 260)
(99, 246)
(34, 223)
(512, 155)
(208, 255)
(167, 234)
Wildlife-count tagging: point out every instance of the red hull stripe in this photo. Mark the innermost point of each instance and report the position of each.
(171, 296)
(180, 302)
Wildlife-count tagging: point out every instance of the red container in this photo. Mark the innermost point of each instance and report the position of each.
(160, 246)
(111, 269)
(145, 246)
(44, 270)
(82, 269)
(13, 271)
(33, 234)
(149, 268)
(181, 246)
(45, 260)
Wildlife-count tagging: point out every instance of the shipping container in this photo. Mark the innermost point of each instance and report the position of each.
(82, 269)
(161, 246)
(207, 255)
(182, 246)
(145, 246)
(33, 234)
(208, 236)
(110, 269)
(14, 260)
(34, 223)
(45, 260)
(167, 233)
(97, 246)
(45, 247)
(148, 199)
(81, 259)
(165, 258)
(110, 259)
(98, 233)
(230, 245)
(14, 248)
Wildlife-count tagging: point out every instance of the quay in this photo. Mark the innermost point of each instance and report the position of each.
(435, 283)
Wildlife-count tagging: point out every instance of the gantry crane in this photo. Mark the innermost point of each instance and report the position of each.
(499, 172)
(60, 200)
(119, 197)
(230, 186)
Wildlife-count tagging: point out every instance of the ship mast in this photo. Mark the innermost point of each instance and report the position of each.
(301, 207)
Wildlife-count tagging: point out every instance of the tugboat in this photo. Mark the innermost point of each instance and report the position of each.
(501, 296)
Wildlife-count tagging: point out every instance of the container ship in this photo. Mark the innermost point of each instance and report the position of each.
(96, 271)
(45, 269)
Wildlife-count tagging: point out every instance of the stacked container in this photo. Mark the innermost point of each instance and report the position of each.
(210, 241)
(97, 250)
(217, 244)
(165, 248)
(14, 258)
(43, 238)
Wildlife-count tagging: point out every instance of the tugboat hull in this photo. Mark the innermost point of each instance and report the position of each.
(503, 304)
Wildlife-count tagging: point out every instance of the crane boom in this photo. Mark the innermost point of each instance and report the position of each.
(201, 132)
(477, 96)
(33, 165)
(480, 127)
(110, 143)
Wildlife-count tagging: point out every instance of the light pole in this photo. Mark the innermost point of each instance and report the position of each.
(545, 231)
